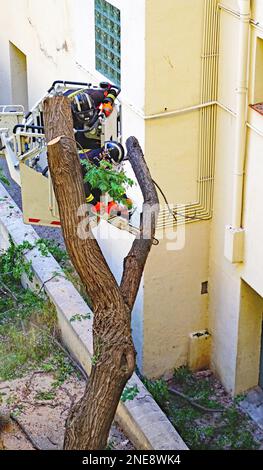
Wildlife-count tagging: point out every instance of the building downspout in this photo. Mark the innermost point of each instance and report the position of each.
(234, 232)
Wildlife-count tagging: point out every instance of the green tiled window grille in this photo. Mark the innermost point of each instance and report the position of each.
(108, 40)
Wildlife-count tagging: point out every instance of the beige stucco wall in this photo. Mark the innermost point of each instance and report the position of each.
(42, 33)
(249, 339)
(174, 33)
(235, 308)
(173, 304)
(224, 282)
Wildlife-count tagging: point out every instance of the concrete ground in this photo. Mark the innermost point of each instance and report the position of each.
(41, 411)
(253, 405)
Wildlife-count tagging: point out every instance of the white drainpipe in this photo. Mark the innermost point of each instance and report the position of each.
(234, 232)
(242, 91)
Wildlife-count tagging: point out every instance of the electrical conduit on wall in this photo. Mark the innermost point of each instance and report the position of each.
(202, 208)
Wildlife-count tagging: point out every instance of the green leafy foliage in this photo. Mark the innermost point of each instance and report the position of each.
(183, 375)
(47, 246)
(21, 348)
(80, 317)
(16, 304)
(13, 262)
(228, 430)
(158, 389)
(129, 393)
(45, 395)
(28, 323)
(3, 178)
(107, 179)
(59, 365)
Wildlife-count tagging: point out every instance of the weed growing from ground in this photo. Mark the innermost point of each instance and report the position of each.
(28, 323)
(228, 430)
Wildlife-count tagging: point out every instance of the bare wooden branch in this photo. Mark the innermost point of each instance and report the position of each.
(135, 260)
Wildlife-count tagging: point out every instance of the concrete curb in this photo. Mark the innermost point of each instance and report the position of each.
(142, 420)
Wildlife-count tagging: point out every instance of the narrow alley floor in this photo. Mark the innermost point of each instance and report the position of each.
(253, 405)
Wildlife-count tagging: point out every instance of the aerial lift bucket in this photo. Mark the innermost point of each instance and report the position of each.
(24, 145)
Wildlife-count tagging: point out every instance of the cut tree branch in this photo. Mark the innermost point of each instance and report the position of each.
(135, 260)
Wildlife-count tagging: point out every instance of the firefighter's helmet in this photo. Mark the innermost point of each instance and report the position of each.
(83, 109)
(114, 151)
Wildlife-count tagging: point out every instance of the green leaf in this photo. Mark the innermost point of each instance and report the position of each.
(3, 178)
(106, 178)
(129, 393)
(80, 317)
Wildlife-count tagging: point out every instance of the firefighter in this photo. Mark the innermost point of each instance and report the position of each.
(88, 105)
(114, 153)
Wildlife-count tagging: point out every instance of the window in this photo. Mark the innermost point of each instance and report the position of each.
(108, 40)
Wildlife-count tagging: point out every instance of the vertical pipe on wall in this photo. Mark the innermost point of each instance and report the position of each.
(208, 116)
(240, 132)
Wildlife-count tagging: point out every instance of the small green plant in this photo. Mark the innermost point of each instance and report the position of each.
(80, 317)
(182, 374)
(107, 179)
(3, 178)
(47, 246)
(13, 398)
(158, 389)
(95, 359)
(21, 349)
(129, 393)
(59, 365)
(28, 324)
(110, 445)
(12, 261)
(238, 399)
(227, 430)
(17, 410)
(45, 395)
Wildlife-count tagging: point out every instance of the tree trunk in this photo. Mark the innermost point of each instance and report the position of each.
(90, 419)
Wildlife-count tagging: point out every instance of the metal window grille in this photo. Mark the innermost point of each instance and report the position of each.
(108, 40)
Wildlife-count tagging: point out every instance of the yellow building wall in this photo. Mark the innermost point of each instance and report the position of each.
(249, 339)
(234, 310)
(172, 150)
(224, 282)
(235, 307)
(174, 33)
(173, 304)
(253, 221)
